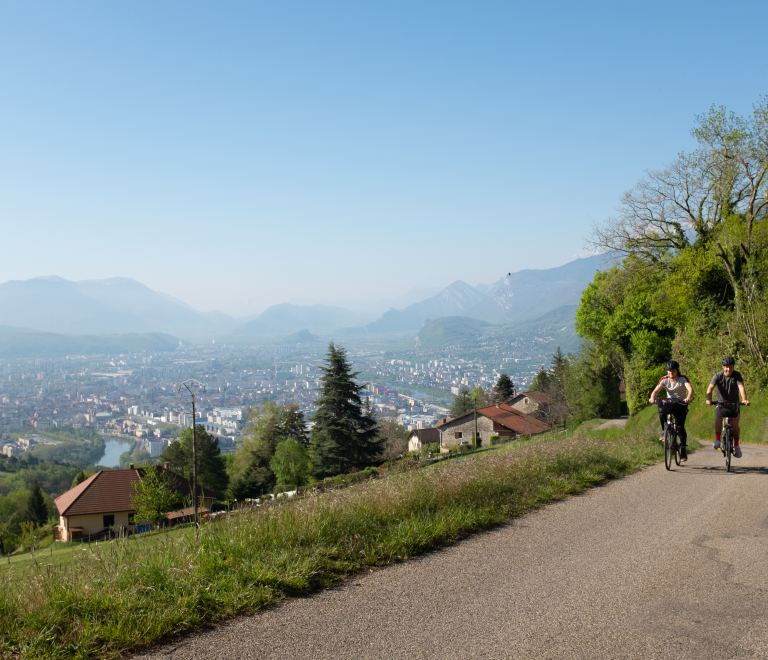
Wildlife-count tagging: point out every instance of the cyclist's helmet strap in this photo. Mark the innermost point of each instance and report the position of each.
(672, 364)
(728, 361)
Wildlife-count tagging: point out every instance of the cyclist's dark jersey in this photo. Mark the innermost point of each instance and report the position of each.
(727, 386)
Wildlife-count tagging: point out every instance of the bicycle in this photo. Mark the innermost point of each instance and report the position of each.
(726, 437)
(672, 447)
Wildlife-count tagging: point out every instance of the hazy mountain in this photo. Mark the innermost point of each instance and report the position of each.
(116, 305)
(555, 328)
(17, 343)
(450, 330)
(455, 300)
(300, 337)
(529, 294)
(287, 318)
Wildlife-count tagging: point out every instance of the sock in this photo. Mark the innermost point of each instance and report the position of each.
(717, 437)
(735, 442)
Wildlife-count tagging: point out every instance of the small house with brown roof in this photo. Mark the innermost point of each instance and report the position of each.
(502, 420)
(103, 502)
(532, 403)
(420, 437)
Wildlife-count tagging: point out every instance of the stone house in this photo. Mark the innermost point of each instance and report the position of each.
(103, 502)
(501, 419)
(532, 403)
(420, 437)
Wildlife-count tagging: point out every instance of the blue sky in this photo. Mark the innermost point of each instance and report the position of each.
(231, 151)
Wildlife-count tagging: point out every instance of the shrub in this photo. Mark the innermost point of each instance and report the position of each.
(495, 440)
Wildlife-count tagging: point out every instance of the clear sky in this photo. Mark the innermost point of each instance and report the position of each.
(230, 151)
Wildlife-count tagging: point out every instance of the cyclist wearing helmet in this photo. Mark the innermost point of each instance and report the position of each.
(729, 384)
(680, 390)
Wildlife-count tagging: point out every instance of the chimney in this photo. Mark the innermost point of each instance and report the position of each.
(498, 406)
(130, 467)
(166, 466)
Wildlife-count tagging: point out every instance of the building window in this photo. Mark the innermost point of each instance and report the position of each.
(459, 435)
(109, 521)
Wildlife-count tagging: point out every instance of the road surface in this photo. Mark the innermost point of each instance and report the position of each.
(657, 565)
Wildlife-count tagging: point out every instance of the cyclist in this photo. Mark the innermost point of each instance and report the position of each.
(680, 390)
(729, 384)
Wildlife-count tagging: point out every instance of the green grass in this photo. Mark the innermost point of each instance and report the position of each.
(128, 593)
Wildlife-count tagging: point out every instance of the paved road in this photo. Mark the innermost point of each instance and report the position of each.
(657, 565)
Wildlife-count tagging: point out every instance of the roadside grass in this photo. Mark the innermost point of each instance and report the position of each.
(128, 594)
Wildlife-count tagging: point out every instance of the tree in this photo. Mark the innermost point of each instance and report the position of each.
(269, 425)
(393, 434)
(37, 510)
(344, 438)
(211, 466)
(541, 380)
(700, 221)
(291, 463)
(6, 534)
(461, 404)
(504, 390)
(80, 477)
(154, 495)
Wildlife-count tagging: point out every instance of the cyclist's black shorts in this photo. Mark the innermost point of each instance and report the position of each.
(727, 409)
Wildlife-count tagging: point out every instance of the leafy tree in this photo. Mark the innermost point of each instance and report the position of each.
(291, 463)
(504, 390)
(461, 404)
(393, 434)
(80, 477)
(344, 438)
(31, 534)
(211, 466)
(36, 510)
(269, 425)
(479, 398)
(154, 495)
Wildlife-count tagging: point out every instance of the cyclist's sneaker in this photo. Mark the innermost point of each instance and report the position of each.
(683, 454)
(716, 444)
(661, 438)
(737, 452)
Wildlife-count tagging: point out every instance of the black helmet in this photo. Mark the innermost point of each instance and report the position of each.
(728, 361)
(672, 364)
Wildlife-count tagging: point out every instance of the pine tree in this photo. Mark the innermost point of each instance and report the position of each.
(37, 511)
(504, 390)
(344, 438)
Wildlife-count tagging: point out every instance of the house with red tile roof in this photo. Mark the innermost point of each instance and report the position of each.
(532, 403)
(502, 420)
(103, 502)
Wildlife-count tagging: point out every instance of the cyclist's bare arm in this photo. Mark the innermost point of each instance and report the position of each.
(654, 393)
(709, 394)
(689, 387)
(744, 399)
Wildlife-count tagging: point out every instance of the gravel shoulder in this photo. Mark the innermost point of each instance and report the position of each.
(656, 565)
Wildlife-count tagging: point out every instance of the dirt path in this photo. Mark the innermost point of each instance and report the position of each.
(657, 565)
(619, 423)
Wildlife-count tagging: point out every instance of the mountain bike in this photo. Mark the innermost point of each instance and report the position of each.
(672, 447)
(726, 437)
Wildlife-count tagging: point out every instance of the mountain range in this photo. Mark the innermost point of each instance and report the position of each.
(122, 305)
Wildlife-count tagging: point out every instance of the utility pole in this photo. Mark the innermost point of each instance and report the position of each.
(193, 387)
(474, 402)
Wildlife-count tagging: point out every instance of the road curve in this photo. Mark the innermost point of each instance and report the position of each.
(657, 565)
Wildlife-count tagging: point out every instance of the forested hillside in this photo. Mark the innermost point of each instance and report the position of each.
(691, 281)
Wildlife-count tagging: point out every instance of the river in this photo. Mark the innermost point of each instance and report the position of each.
(114, 447)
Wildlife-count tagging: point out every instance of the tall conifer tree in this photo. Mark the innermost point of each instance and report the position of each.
(345, 437)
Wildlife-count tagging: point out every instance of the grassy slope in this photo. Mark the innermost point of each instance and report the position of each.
(131, 593)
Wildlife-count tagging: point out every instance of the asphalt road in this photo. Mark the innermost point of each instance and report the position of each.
(657, 565)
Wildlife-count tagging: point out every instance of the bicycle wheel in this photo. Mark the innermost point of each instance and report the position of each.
(727, 447)
(668, 450)
(676, 447)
